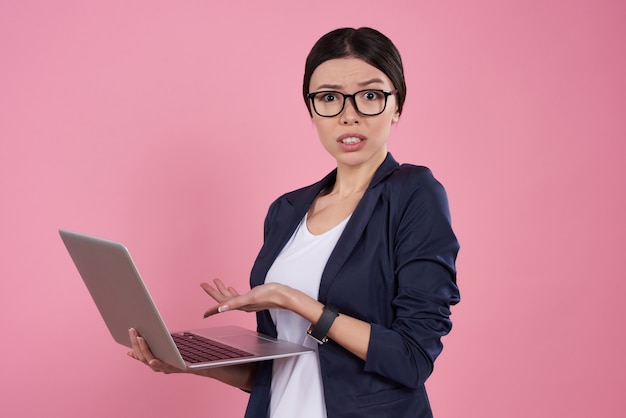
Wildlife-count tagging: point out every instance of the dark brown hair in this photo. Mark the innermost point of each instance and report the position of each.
(364, 43)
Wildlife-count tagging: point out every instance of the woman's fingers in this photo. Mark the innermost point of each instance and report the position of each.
(136, 352)
(257, 299)
(214, 293)
(211, 311)
(236, 302)
(261, 297)
(140, 351)
(223, 289)
(220, 292)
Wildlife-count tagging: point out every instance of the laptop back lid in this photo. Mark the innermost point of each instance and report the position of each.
(119, 293)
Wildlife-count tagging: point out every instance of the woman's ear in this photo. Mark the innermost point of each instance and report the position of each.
(396, 117)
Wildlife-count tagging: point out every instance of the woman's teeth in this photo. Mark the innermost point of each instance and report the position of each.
(350, 140)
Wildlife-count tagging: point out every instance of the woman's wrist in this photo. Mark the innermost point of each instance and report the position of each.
(288, 298)
(302, 304)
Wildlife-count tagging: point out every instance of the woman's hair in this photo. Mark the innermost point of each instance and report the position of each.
(364, 43)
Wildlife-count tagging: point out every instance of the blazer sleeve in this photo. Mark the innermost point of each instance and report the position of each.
(424, 253)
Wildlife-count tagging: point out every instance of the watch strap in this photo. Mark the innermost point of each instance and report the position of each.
(319, 332)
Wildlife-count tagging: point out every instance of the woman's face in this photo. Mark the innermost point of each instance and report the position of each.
(351, 138)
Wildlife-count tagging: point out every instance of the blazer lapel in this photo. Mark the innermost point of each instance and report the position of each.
(355, 227)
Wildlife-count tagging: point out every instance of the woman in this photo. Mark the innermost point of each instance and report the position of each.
(362, 260)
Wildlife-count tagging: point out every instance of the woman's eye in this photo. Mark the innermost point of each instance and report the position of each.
(328, 97)
(370, 95)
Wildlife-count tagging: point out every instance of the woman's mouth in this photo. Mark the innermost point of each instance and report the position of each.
(351, 140)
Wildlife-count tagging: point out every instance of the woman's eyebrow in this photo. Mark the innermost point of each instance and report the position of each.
(338, 87)
(372, 81)
(328, 87)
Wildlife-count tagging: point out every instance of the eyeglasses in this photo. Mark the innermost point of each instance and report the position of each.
(329, 103)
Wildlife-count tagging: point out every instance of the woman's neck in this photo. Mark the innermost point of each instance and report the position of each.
(355, 179)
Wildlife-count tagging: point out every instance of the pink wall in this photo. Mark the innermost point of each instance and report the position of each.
(172, 125)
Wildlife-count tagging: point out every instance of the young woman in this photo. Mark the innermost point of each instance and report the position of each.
(364, 260)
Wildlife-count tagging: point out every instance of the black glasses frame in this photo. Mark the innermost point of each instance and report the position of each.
(352, 96)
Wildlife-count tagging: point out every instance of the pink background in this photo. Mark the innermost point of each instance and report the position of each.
(171, 126)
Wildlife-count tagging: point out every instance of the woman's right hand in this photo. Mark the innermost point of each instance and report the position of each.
(240, 375)
(140, 351)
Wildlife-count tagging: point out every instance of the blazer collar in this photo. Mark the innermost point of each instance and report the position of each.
(388, 165)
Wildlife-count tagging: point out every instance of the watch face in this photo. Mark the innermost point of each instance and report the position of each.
(320, 342)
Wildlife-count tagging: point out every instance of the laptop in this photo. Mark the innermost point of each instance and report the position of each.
(124, 302)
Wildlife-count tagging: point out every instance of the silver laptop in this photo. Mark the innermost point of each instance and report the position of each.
(124, 302)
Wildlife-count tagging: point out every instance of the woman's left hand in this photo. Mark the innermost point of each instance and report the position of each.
(266, 296)
(351, 333)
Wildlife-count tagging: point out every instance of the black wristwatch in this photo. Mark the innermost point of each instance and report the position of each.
(318, 333)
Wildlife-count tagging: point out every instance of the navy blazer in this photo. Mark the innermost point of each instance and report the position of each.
(393, 267)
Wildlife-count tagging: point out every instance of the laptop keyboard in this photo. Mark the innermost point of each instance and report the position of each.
(197, 349)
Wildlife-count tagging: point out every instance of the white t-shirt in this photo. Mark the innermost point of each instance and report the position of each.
(297, 388)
